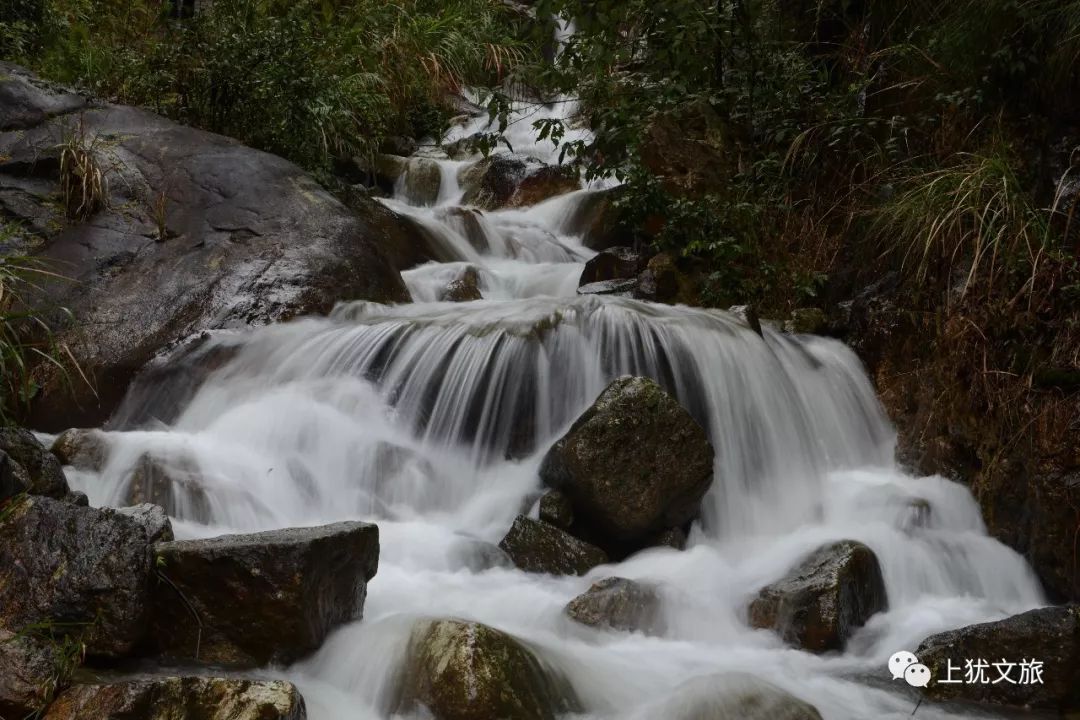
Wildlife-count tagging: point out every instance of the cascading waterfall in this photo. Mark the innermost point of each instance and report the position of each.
(431, 419)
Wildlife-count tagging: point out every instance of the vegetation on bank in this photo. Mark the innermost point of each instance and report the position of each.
(307, 79)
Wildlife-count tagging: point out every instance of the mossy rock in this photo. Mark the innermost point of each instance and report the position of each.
(461, 670)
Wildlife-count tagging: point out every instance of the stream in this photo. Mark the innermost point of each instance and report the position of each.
(431, 418)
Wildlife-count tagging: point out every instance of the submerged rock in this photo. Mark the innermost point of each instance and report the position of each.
(82, 449)
(734, 696)
(824, 599)
(28, 674)
(249, 600)
(619, 604)
(623, 288)
(82, 570)
(459, 670)
(174, 484)
(180, 698)
(1050, 636)
(538, 547)
(633, 465)
(27, 466)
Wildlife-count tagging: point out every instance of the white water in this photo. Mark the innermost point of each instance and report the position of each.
(406, 415)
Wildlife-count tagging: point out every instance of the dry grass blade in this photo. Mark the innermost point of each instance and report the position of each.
(83, 185)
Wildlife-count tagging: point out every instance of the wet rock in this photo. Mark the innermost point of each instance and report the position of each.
(501, 181)
(399, 145)
(465, 288)
(478, 555)
(423, 179)
(748, 314)
(174, 484)
(85, 571)
(82, 449)
(175, 698)
(249, 600)
(915, 514)
(824, 599)
(734, 696)
(29, 463)
(619, 604)
(1048, 635)
(153, 520)
(461, 670)
(673, 538)
(660, 280)
(633, 465)
(556, 509)
(28, 674)
(538, 547)
(198, 233)
(596, 219)
(617, 263)
(623, 288)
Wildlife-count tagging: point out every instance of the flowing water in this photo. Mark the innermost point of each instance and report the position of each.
(430, 419)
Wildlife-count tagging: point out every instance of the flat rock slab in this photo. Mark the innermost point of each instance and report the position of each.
(271, 597)
(175, 698)
(82, 570)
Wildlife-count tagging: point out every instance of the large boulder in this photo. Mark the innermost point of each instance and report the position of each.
(176, 698)
(502, 180)
(153, 520)
(460, 670)
(79, 570)
(27, 466)
(1050, 636)
(734, 696)
(824, 599)
(633, 465)
(196, 232)
(541, 548)
(249, 600)
(28, 674)
(619, 604)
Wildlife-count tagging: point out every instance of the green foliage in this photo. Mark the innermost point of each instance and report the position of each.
(309, 79)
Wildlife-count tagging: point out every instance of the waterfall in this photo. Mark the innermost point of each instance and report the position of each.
(431, 419)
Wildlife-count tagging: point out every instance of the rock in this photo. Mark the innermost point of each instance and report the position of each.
(35, 465)
(623, 288)
(174, 484)
(399, 145)
(1049, 635)
(688, 150)
(596, 218)
(465, 289)
(556, 509)
(269, 597)
(382, 171)
(538, 547)
(28, 674)
(502, 180)
(824, 599)
(14, 480)
(660, 282)
(619, 604)
(617, 263)
(734, 696)
(176, 698)
(85, 571)
(153, 520)
(748, 314)
(82, 449)
(461, 670)
(633, 465)
(478, 555)
(806, 321)
(423, 179)
(198, 233)
(673, 538)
